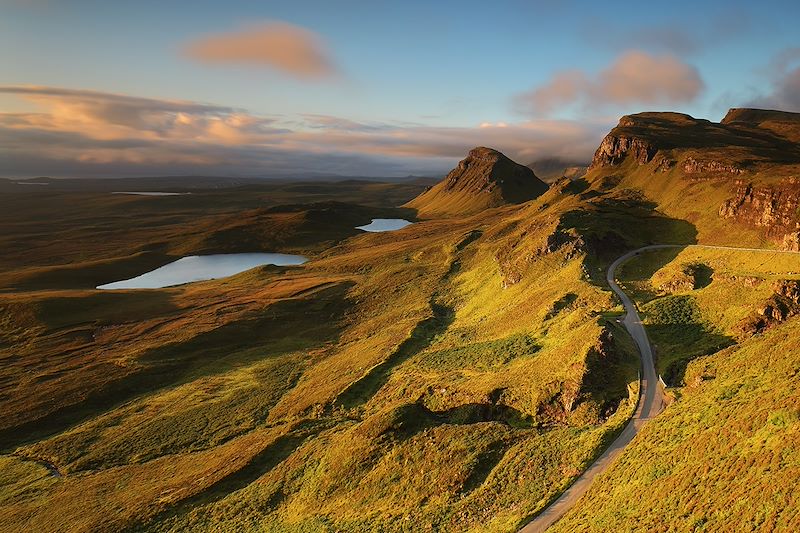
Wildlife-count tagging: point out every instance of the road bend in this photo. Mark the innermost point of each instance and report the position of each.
(651, 393)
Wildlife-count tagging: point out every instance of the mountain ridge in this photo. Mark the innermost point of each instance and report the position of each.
(486, 178)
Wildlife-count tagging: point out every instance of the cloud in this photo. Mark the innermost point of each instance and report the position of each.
(290, 49)
(784, 73)
(635, 78)
(683, 38)
(89, 133)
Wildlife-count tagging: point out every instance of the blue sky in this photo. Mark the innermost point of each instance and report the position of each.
(405, 68)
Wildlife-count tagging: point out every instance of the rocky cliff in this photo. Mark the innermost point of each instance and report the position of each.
(484, 179)
(776, 208)
(746, 139)
(753, 155)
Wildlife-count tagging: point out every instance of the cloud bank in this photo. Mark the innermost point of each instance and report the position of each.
(634, 78)
(290, 49)
(91, 133)
(785, 80)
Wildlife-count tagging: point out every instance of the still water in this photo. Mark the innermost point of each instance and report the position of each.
(203, 267)
(385, 224)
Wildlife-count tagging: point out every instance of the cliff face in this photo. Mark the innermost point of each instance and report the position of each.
(745, 139)
(484, 179)
(773, 207)
(615, 148)
(752, 154)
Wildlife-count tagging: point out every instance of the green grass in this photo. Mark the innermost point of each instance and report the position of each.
(679, 333)
(722, 458)
(484, 355)
(724, 455)
(284, 398)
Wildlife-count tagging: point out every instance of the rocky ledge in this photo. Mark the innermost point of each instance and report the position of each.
(774, 207)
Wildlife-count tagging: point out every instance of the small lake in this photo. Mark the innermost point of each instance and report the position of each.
(150, 193)
(203, 267)
(385, 224)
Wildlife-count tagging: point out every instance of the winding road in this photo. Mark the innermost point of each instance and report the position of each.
(651, 402)
(651, 394)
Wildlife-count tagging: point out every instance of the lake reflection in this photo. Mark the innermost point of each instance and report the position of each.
(385, 224)
(203, 267)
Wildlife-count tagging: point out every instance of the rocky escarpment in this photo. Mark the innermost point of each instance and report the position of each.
(484, 179)
(753, 153)
(776, 208)
(783, 304)
(705, 166)
(616, 148)
(640, 137)
(745, 139)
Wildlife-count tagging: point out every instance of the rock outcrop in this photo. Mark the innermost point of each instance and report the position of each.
(783, 304)
(753, 153)
(745, 138)
(776, 208)
(484, 179)
(701, 166)
(616, 148)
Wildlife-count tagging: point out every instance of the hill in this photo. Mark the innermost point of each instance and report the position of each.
(737, 180)
(550, 169)
(724, 455)
(484, 179)
(456, 374)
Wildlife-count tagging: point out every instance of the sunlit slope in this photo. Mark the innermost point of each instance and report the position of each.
(467, 361)
(734, 180)
(483, 180)
(723, 456)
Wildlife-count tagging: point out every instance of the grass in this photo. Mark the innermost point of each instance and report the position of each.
(723, 457)
(456, 373)
(272, 398)
(484, 355)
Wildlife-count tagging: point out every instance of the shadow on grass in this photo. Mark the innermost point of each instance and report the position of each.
(694, 340)
(615, 223)
(421, 337)
(311, 321)
(264, 461)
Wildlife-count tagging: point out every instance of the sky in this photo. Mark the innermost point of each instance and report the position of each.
(364, 88)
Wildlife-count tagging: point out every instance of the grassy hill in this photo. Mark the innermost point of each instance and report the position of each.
(483, 180)
(723, 456)
(455, 374)
(467, 359)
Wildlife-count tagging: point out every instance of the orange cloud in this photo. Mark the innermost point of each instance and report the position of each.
(634, 78)
(290, 49)
(88, 133)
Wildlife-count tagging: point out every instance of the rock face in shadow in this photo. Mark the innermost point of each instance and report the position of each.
(484, 179)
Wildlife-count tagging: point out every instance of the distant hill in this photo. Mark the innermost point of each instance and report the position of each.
(484, 179)
(550, 169)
